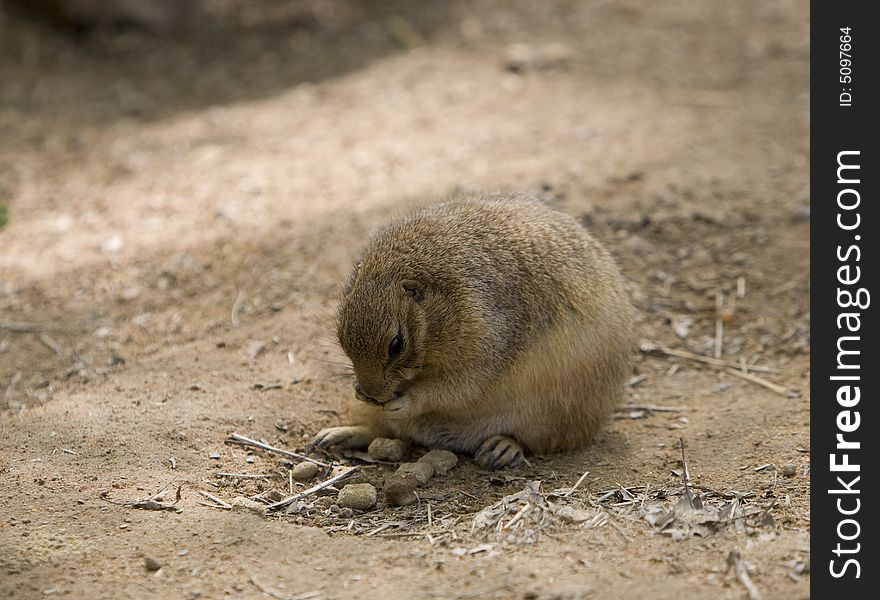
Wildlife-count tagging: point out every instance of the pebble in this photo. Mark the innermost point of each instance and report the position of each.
(442, 460)
(525, 57)
(423, 471)
(789, 470)
(255, 348)
(387, 449)
(400, 489)
(152, 563)
(305, 471)
(360, 496)
(241, 503)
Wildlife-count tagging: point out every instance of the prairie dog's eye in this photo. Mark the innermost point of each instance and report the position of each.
(396, 345)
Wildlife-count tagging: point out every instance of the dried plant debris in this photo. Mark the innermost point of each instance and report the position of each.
(401, 504)
(154, 502)
(524, 517)
(691, 516)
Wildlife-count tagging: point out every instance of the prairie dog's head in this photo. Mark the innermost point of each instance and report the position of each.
(382, 327)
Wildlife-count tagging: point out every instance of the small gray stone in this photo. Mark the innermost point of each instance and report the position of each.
(305, 471)
(423, 471)
(387, 449)
(360, 496)
(152, 563)
(789, 470)
(442, 460)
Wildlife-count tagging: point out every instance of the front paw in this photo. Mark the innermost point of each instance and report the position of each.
(500, 451)
(350, 436)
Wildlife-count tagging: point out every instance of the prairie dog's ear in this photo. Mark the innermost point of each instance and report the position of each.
(415, 289)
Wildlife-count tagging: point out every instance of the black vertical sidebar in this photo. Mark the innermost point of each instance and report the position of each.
(845, 422)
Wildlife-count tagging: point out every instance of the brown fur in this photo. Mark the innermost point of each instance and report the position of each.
(514, 319)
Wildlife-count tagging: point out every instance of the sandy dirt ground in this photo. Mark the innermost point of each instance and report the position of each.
(184, 209)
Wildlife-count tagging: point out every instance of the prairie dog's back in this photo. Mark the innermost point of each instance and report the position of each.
(520, 263)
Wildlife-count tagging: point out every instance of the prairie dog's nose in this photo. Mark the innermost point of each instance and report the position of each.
(359, 391)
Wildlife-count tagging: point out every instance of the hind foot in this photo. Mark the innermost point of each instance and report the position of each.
(351, 436)
(500, 451)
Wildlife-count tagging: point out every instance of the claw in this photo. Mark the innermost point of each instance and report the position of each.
(500, 451)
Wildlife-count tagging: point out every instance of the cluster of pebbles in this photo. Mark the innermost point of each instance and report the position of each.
(400, 487)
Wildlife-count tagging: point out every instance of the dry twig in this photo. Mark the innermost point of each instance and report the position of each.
(245, 441)
(216, 500)
(576, 485)
(20, 327)
(154, 502)
(650, 408)
(742, 574)
(760, 381)
(335, 479)
(51, 344)
(651, 348)
(236, 307)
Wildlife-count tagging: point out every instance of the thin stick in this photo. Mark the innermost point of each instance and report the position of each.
(245, 441)
(650, 407)
(236, 308)
(759, 381)
(269, 592)
(430, 517)
(617, 528)
(519, 515)
(210, 505)
(576, 485)
(51, 344)
(214, 498)
(290, 481)
(634, 381)
(693, 501)
(652, 348)
(20, 327)
(382, 528)
(243, 476)
(719, 325)
(265, 589)
(336, 478)
(13, 383)
(742, 574)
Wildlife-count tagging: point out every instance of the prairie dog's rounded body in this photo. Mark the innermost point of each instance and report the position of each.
(487, 324)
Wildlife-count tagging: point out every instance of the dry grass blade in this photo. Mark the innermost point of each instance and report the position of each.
(246, 441)
(51, 344)
(692, 500)
(650, 408)
(279, 595)
(243, 476)
(576, 485)
(783, 391)
(215, 499)
(236, 308)
(651, 348)
(741, 571)
(20, 327)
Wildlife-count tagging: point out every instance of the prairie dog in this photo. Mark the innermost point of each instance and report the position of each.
(488, 324)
